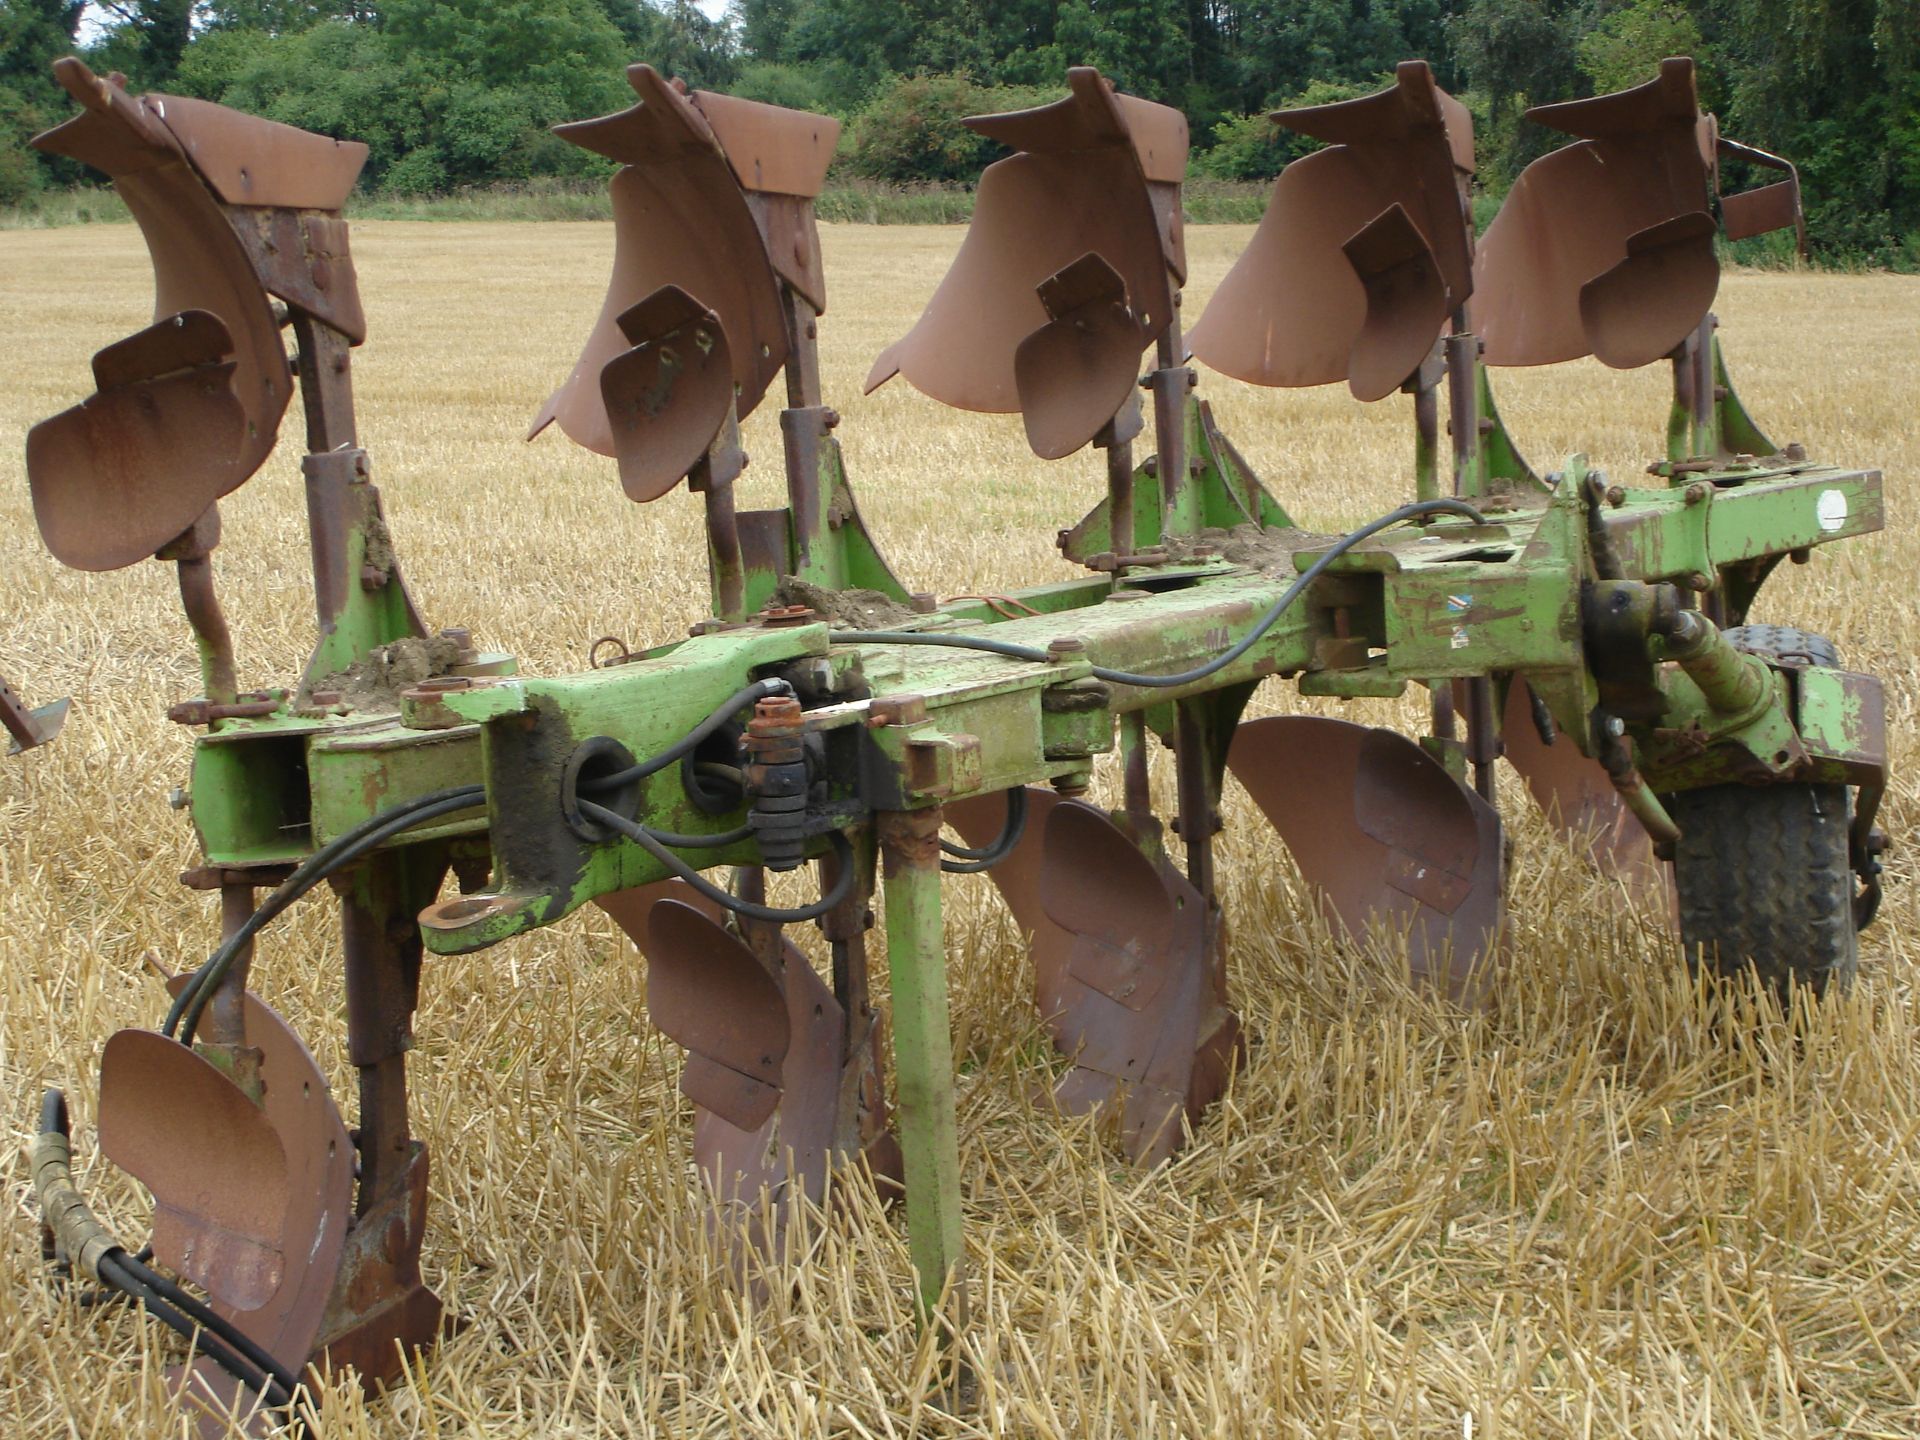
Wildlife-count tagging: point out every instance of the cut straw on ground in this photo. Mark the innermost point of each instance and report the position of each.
(1603, 1207)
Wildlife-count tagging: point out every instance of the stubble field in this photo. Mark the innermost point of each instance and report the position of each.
(1585, 1212)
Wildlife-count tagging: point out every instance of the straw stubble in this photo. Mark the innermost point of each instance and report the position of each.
(1588, 1211)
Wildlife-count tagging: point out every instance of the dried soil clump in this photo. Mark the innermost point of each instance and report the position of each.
(847, 609)
(1270, 552)
(374, 684)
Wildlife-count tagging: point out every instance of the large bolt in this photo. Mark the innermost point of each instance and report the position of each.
(776, 775)
(775, 715)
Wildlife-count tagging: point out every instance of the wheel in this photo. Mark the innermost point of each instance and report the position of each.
(1763, 872)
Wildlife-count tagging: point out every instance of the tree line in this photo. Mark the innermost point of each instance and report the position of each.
(459, 93)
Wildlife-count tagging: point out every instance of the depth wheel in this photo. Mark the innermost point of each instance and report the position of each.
(1763, 872)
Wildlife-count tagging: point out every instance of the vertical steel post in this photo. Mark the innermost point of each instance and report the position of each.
(1136, 779)
(923, 1053)
(715, 487)
(803, 430)
(1179, 496)
(1426, 437)
(1120, 521)
(1198, 793)
(380, 1307)
(360, 599)
(1469, 482)
(223, 1031)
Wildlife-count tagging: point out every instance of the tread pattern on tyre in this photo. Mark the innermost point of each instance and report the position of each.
(1762, 871)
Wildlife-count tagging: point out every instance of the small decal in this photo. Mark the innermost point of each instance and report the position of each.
(1460, 637)
(1458, 603)
(1832, 509)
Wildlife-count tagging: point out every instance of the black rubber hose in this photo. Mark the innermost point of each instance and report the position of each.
(183, 1017)
(973, 862)
(655, 846)
(731, 706)
(209, 1332)
(1200, 672)
(211, 1321)
(115, 1271)
(702, 842)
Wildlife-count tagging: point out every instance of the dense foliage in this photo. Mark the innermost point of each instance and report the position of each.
(452, 93)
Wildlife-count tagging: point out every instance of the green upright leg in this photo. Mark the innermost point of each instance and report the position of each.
(923, 1052)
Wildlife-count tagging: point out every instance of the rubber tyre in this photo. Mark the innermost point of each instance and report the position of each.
(1762, 871)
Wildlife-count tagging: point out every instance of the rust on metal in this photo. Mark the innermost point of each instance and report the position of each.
(187, 409)
(1579, 797)
(668, 397)
(1122, 974)
(211, 1157)
(1766, 208)
(1393, 841)
(1077, 371)
(252, 1202)
(682, 221)
(1094, 175)
(1333, 287)
(380, 1310)
(28, 727)
(1632, 276)
(1406, 303)
(796, 1089)
(707, 991)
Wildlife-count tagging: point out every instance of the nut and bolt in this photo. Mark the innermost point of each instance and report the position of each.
(1616, 495)
(775, 715)
(781, 616)
(1696, 492)
(776, 774)
(923, 602)
(1066, 649)
(205, 712)
(1699, 583)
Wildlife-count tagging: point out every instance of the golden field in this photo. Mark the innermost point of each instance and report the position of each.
(1588, 1211)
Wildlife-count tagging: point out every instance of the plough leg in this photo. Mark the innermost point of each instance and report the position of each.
(923, 1054)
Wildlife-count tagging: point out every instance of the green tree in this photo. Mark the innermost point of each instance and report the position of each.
(148, 40)
(1628, 44)
(33, 34)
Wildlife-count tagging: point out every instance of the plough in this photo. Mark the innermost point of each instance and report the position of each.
(1596, 634)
